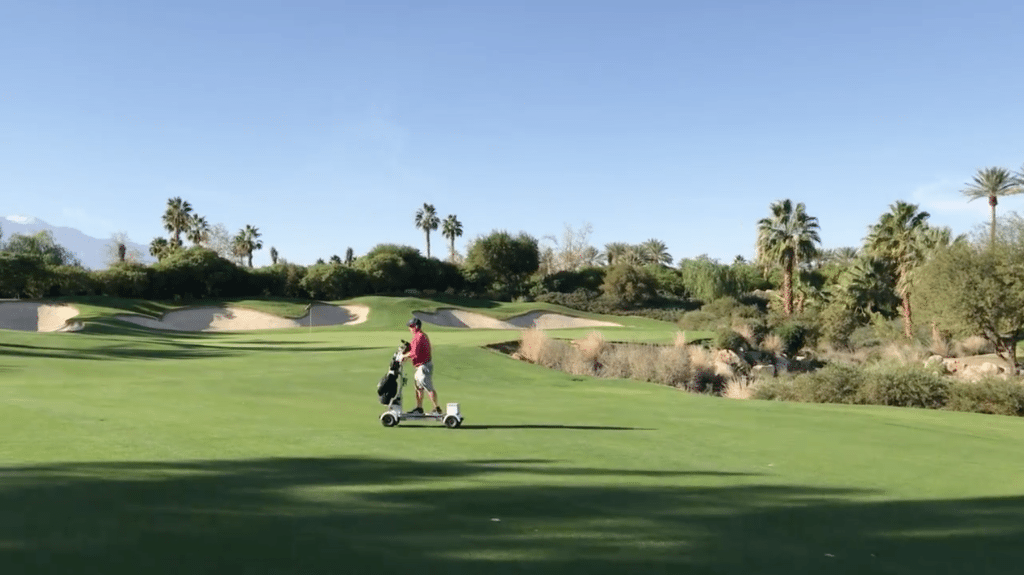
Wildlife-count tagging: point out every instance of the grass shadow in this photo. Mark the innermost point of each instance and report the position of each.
(359, 515)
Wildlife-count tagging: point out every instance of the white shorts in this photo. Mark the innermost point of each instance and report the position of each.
(425, 376)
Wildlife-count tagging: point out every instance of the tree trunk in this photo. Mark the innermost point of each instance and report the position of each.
(428, 243)
(908, 328)
(993, 201)
(787, 290)
(1006, 348)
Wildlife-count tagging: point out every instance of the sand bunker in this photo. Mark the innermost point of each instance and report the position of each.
(27, 316)
(241, 319)
(538, 320)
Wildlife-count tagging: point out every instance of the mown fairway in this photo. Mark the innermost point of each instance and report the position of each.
(129, 451)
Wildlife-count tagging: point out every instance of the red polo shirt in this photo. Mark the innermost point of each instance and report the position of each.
(420, 349)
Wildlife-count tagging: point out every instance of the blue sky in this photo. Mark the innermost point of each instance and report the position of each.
(327, 124)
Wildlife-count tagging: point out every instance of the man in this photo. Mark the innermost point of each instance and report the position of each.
(419, 353)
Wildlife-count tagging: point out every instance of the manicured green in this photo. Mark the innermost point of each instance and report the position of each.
(132, 451)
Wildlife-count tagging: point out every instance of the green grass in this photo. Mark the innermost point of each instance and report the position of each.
(129, 451)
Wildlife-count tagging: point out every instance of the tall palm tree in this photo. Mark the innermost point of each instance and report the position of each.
(427, 220)
(787, 239)
(198, 229)
(993, 183)
(176, 219)
(247, 241)
(451, 229)
(900, 237)
(654, 251)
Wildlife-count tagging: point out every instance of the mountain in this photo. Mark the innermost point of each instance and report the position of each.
(94, 252)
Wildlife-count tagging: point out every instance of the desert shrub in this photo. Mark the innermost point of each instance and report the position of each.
(535, 346)
(643, 362)
(739, 388)
(729, 339)
(993, 395)
(614, 362)
(904, 386)
(773, 344)
(834, 383)
(777, 389)
(708, 382)
(905, 352)
(673, 366)
(974, 345)
(592, 346)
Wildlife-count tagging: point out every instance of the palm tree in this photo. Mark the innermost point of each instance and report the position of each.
(198, 229)
(247, 241)
(787, 239)
(176, 219)
(654, 251)
(993, 183)
(451, 229)
(159, 248)
(615, 251)
(427, 220)
(899, 236)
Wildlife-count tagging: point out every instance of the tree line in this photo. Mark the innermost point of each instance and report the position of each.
(900, 271)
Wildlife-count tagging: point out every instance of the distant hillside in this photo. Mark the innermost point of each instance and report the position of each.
(92, 251)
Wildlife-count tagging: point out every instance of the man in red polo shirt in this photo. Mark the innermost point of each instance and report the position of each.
(419, 353)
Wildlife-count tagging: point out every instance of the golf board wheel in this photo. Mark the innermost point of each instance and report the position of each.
(451, 422)
(388, 420)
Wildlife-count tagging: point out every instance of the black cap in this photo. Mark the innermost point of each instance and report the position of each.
(414, 322)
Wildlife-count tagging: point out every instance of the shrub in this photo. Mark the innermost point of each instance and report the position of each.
(777, 389)
(629, 286)
(834, 383)
(643, 362)
(129, 280)
(974, 345)
(698, 320)
(729, 339)
(993, 395)
(904, 386)
(592, 346)
(535, 346)
(673, 366)
(739, 388)
(794, 336)
(569, 281)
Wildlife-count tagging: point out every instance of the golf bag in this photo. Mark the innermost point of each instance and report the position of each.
(390, 386)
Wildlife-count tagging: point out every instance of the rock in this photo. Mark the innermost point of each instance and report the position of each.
(953, 365)
(781, 365)
(763, 370)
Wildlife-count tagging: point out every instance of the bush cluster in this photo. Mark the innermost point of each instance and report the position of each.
(667, 365)
(894, 385)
